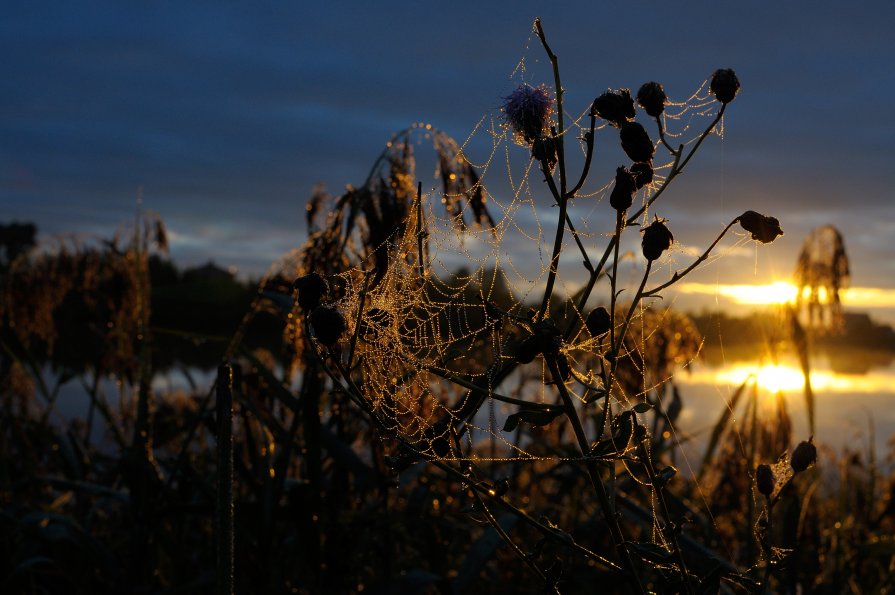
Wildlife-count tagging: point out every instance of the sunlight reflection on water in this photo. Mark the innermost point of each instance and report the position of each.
(854, 398)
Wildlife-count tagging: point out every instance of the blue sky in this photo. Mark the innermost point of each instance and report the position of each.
(227, 114)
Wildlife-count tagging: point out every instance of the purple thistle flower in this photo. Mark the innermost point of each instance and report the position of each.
(528, 110)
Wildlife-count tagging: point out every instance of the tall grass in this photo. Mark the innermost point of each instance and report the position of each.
(350, 455)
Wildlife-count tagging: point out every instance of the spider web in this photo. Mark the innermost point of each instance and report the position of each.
(436, 334)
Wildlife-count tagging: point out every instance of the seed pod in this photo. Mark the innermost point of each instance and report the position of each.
(328, 324)
(440, 446)
(526, 351)
(544, 149)
(493, 314)
(651, 98)
(548, 337)
(616, 107)
(804, 455)
(598, 321)
(643, 174)
(763, 228)
(636, 142)
(657, 239)
(725, 84)
(764, 479)
(311, 288)
(623, 193)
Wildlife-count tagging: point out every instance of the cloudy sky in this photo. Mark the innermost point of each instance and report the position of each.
(226, 115)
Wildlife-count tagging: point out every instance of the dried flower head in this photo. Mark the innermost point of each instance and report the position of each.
(636, 142)
(526, 350)
(548, 337)
(725, 85)
(544, 150)
(598, 321)
(651, 98)
(657, 239)
(528, 110)
(311, 288)
(623, 193)
(804, 455)
(616, 107)
(643, 174)
(328, 324)
(763, 228)
(764, 479)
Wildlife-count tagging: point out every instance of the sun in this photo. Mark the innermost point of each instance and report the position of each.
(778, 292)
(776, 378)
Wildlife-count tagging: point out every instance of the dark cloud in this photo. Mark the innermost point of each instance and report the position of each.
(227, 115)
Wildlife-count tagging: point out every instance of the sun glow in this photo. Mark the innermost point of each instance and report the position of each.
(771, 377)
(779, 292)
(784, 292)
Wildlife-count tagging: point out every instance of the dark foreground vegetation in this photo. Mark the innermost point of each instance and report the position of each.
(377, 427)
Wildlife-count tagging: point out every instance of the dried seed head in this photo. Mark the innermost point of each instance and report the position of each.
(763, 228)
(328, 324)
(548, 337)
(440, 446)
(598, 321)
(544, 149)
(804, 455)
(764, 479)
(528, 110)
(643, 174)
(311, 288)
(526, 350)
(623, 193)
(616, 107)
(636, 142)
(657, 239)
(725, 84)
(651, 98)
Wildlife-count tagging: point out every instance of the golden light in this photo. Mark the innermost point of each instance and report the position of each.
(776, 378)
(779, 292)
(771, 377)
(783, 292)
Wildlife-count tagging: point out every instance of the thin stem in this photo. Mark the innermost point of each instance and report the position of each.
(420, 233)
(619, 226)
(503, 535)
(681, 274)
(702, 137)
(670, 528)
(360, 311)
(447, 375)
(224, 537)
(608, 512)
(560, 152)
(588, 156)
(546, 530)
(616, 347)
(662, 137)
(559, 106)
(765, 543)
(587, 263)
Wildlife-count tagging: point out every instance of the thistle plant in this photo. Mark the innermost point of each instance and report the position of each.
(421, 353)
